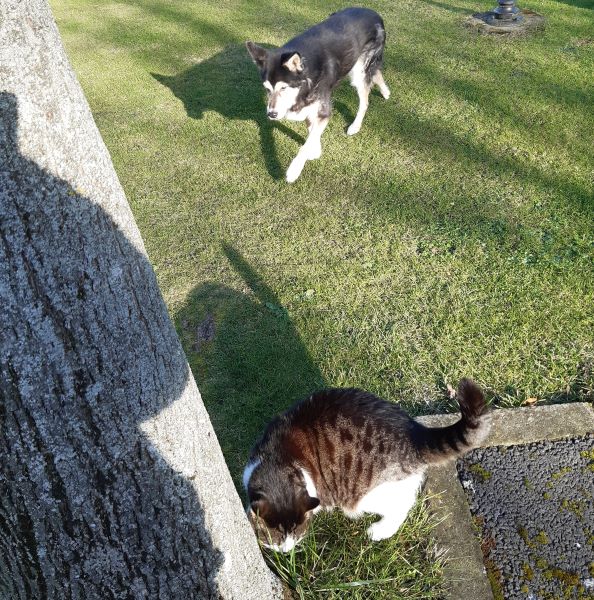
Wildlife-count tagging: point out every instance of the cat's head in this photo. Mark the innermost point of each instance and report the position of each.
(280, 506)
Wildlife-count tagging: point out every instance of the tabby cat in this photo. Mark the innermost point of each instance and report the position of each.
(349, 449)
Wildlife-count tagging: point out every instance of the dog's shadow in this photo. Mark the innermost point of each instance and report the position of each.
(247, 356)
(228, 83)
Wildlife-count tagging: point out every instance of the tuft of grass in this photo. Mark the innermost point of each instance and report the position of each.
(337, 560)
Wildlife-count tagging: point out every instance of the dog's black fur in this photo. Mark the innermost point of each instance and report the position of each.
(328, 51)
(312, 64)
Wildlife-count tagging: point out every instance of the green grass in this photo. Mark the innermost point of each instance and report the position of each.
(453, 236)
(330, 566)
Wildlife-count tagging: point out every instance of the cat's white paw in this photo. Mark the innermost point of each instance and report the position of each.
(354, 127)
(381, 530)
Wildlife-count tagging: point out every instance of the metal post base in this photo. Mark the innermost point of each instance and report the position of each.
(511, 19)
(506, 20)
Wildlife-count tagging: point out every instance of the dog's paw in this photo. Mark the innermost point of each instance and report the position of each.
(294, 170)
(354, 127)
(314, 152)
(385, 92)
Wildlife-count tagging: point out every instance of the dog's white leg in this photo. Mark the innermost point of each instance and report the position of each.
(378, 79)
(393, 501)
(363, 91)
(311, 150)
(314, 139)
(358, 78)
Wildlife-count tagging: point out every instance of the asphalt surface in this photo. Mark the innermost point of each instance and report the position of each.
(534, 507)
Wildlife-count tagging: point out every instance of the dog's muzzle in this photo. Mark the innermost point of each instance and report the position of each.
(272, 114)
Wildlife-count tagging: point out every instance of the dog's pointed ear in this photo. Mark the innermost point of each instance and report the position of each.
(292, 61)
(257, 53)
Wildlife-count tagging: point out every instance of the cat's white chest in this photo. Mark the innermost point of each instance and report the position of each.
(310, 486)
(247, 472)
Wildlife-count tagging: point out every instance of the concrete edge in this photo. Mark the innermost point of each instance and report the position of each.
(464, 570)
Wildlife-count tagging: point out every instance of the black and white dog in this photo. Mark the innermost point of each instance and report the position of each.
(300, 76)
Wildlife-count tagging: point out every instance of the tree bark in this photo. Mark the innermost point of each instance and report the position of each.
(112, 482)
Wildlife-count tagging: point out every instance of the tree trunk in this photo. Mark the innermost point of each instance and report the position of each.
(112, 482)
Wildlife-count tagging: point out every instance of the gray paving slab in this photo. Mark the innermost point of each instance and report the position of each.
(465, 573)
(533, 506)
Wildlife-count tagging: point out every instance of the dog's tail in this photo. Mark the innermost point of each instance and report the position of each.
(380, 38)
(437, 444)
(375, 52)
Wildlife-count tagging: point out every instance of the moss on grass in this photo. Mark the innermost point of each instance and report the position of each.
(495, 578)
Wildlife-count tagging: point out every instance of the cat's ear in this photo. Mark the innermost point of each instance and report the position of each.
(260, 505)
(312, 503)
(307, 502)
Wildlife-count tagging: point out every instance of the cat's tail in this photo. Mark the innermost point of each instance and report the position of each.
(437, 444)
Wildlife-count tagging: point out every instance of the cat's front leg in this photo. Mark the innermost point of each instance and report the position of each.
(392, 500)
(384, 528)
